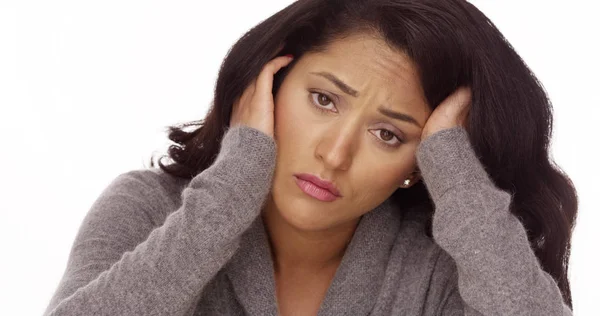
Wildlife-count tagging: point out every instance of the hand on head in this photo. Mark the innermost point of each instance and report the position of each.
(453, 111)
(255, 107)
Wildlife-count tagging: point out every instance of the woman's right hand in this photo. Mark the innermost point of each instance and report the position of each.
(256, 107)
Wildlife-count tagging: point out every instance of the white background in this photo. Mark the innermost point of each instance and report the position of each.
(87, 88)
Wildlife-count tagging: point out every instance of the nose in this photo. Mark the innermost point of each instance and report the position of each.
(336, 147)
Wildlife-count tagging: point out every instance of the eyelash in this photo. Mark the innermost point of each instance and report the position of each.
(321, 109)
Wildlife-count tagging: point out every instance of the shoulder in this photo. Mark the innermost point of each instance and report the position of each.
(151, 191)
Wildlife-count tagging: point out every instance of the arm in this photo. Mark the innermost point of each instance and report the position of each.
(164, 274)
(498, 272)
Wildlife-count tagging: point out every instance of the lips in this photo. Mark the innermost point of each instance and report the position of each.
(324, 184)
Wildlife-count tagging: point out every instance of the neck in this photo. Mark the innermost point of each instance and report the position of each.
(295, 249)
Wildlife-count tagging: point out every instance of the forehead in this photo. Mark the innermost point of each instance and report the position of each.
(369, 65)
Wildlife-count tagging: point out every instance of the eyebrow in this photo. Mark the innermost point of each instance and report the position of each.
(351, 91)
(399, 116)
(339, 83)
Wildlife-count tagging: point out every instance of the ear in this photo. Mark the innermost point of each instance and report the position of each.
(410, 180)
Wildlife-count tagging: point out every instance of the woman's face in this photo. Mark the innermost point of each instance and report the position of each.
(341, 136)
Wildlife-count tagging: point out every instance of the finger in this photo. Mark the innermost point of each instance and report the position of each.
(463, 96)
(265, 78)
(463, 105)
(457, 100)
(278, 50)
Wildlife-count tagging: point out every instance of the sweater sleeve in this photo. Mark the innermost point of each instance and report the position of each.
(498, 272)
(166, 267)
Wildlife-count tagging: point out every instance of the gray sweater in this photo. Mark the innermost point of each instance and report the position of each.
(153, 244)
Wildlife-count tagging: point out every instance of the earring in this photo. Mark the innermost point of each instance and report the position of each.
(406, 182)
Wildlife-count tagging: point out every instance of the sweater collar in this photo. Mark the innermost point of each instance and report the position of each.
(357, 280)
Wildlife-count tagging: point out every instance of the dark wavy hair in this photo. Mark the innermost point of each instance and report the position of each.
(452, 44)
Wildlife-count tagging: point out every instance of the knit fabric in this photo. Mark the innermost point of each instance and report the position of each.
(153, 244)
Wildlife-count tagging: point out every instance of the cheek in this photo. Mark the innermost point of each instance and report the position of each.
(285, 118)
(291, 123)
(386, 179)
(291, 135)
(389, 175)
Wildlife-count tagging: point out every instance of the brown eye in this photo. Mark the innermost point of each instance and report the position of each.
(387, 135)
(321, 102)
(323, 99)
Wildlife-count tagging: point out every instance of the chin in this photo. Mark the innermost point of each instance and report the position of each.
(303, 213)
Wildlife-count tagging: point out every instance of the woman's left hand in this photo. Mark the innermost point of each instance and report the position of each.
(453, 111)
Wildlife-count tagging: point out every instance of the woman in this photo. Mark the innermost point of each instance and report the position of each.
(397, 164)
